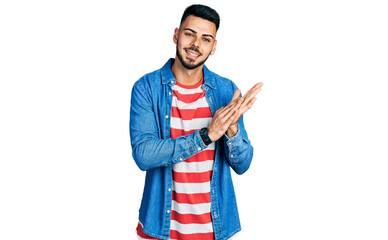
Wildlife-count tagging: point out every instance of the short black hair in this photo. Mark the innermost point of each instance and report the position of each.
(202, 11)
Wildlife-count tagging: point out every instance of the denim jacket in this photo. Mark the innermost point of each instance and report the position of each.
(155, 152)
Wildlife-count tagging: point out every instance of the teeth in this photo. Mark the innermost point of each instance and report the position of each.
(192, 54)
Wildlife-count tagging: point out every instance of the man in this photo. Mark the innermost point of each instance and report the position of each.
(187, 130)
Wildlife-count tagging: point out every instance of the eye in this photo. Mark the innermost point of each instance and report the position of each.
(189, 34)
(206, 39)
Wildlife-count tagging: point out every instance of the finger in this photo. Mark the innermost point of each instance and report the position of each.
(227, 113)
(248, 106)
(236, 94)
(257, 85)
(233, 104)
(249, 98)
(235, 109)
(235, 97)
(235, 117)
(253, 90)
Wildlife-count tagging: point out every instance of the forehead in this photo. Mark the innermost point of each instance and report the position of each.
(200, 25)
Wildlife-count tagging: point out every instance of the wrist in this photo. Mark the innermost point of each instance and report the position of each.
(204, 133)
(232, 130)
(210, 133)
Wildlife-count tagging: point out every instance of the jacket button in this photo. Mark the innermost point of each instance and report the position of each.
(166, 116)
(199, 149)
(169, 189)
(168, 211)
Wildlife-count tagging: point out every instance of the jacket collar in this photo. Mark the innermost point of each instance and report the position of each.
(168, 76)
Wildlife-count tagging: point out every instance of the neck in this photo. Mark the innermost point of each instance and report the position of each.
(186, 76)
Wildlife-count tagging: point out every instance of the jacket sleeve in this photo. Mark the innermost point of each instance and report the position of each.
(238, 149)
(149, 150)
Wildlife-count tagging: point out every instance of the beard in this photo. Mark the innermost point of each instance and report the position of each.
(188, 63)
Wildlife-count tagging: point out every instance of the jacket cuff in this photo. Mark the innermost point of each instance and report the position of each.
(199, 145)
(195, 144)
(233, 143)
(235, 138)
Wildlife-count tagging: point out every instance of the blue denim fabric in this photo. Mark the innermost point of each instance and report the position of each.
(155, 152)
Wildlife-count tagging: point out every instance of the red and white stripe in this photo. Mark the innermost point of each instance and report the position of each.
(190, 212)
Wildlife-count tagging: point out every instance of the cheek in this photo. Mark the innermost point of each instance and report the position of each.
(208, 48)
(183, 40)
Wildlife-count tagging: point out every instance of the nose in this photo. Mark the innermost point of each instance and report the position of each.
(196, 42)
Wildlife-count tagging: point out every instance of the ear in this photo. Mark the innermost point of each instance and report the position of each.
(214, 47)
(176, 33)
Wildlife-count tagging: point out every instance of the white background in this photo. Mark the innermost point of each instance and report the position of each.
(319, 127)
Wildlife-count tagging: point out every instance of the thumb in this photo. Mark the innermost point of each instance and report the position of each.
(236, 94)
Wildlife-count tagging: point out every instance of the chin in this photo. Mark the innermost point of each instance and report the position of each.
(189, 63)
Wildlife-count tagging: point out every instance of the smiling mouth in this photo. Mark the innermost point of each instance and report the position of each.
(192, 54)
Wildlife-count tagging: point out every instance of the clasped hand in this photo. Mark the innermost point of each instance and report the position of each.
(226, 118)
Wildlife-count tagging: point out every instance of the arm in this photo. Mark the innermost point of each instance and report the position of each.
(148, 149)
(239, 151)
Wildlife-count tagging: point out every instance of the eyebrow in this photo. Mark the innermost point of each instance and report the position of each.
(205, 35)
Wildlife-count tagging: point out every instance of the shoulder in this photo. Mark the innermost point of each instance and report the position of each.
(223, 81)
(149, 79)
(223, 86)
(149, 85)
(146, 88)
(155, 79)
(220, 81)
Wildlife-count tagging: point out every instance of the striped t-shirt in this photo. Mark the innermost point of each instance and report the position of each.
(190, 212)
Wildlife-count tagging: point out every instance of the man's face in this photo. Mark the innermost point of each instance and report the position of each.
(195, 41)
